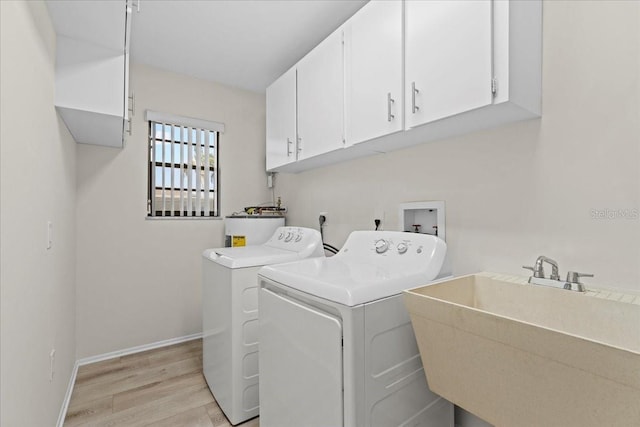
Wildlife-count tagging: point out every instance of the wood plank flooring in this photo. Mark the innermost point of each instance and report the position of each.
(162, 387)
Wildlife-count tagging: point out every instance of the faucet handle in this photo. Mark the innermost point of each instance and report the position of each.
(573, 281)
(574, 276)
(538, 271)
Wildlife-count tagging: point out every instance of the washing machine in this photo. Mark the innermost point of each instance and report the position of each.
(336, 343)
(230, 314)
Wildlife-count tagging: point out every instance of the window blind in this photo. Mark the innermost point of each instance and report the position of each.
(183, 170)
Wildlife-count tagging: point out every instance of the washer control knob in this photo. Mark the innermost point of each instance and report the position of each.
(280, 236)
(402, 248)
(298, 237)
(289, 237)
(382, 246)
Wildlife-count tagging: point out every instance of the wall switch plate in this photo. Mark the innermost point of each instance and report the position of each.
(269, 180)
(49, 234)
(52, 359)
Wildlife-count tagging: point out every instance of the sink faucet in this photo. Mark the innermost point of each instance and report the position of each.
(538, 270)
(538, 278)
(555, 275)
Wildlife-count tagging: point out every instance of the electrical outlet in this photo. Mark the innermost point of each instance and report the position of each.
(378, 215)
(322, 219)
(52, 360)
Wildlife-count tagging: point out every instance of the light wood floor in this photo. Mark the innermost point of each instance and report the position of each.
(162, 387)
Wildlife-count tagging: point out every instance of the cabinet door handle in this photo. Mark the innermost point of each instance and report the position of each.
(389, 102)
(289, 142)
(299, 148)
(414, 107)
(132, 104)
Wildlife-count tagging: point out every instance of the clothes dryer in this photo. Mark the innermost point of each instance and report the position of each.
(336, 343)
(230, 314)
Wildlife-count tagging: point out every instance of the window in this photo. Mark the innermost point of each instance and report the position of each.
(183, 167)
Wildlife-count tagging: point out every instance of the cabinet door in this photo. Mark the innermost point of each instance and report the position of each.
(91, 64)
(321, 98)
(373, 56)
(129, 107)
(281, 120)
(448, 58)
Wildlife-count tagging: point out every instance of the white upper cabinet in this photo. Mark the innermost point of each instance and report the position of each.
(463, 66)
(373, 71)
(92, 61)
(517, 59)
(281, 121)
(448, 58)
(321, 98)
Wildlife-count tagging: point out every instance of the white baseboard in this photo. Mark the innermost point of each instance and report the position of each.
(137, 349)
(112, 355)
(67, 397)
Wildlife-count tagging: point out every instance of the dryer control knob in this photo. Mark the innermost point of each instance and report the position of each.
(289, 237)
(298, 237)
(382, 246)
(402, 248)
(280, 236)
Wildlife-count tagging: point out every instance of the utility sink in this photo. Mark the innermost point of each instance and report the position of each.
(517, 354)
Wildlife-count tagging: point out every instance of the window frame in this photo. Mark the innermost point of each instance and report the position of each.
(203, 143)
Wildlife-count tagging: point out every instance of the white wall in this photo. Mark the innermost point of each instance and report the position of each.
(512, 194)
(139, 280)
(527, 189)
(37, 185)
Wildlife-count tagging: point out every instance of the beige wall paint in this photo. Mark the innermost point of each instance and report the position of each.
(139, 280)
(512, 194)
(38, 163)
(526, 189)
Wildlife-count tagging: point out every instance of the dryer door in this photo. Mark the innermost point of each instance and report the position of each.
(300, 364)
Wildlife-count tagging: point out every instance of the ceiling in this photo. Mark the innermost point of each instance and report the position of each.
(243, 43)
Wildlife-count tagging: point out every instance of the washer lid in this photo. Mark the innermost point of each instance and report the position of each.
(371, 265)
(348, 283)
(249, 256)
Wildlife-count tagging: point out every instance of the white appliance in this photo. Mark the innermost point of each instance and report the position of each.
(248, 230)
(336, 343)
(230, 314)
